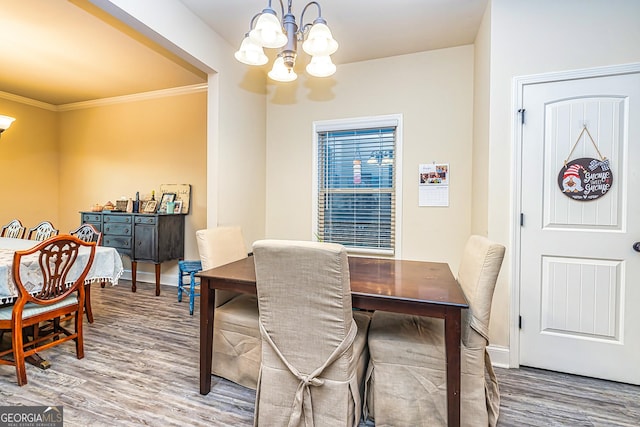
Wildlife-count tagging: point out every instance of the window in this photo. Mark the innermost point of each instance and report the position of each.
(357, 183)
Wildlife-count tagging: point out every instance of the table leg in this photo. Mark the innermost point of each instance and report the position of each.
(157, 279)
(134, 268)
(452, 327)
(207, 301)
(87, 302)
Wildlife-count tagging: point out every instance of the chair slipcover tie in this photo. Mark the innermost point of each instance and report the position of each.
(302, 398)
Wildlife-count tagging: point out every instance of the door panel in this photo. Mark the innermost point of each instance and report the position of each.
(580, 278)
(564, 121)
(580, 298)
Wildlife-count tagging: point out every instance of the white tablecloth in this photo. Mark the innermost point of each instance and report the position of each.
(107, 266)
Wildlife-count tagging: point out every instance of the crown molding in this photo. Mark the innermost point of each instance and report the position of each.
(28, 101)
(162, 93)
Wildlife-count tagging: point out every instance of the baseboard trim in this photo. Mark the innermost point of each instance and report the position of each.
(499, 356)
(146, 277)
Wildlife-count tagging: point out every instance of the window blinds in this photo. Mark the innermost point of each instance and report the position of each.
(356, 188)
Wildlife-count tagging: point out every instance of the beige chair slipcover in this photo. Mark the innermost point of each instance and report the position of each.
(236, 336)
(314, 351)
(406, 378)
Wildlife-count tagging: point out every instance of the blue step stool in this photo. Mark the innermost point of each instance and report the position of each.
(188, 268)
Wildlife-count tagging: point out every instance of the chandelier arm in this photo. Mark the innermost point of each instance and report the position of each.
(282, 7)
(318, 19)
(252, 23)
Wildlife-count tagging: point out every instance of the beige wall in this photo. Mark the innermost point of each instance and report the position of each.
(481, 90)
(434, 93)
(29, 165)
(236, 109)
(114, 150)
(57, 163)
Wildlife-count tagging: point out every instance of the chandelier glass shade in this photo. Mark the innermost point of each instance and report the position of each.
(251, 53)
(267, 31)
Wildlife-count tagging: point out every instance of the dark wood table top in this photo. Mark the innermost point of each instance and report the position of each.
(387, 279)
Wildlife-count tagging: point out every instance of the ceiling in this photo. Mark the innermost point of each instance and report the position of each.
(67, 51)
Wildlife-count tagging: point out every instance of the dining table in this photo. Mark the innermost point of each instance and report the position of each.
(107, 266)
(403, 286)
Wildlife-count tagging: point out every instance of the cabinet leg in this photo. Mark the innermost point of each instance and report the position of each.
(157, 279)
(134, 267)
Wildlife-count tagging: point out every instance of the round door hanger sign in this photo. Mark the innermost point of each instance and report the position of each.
(585, 179)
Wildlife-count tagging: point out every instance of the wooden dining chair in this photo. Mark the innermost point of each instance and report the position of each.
(88, 233)
(50, 284)
(314, 346)
(406, 378)
(42, 231)
(14, 229)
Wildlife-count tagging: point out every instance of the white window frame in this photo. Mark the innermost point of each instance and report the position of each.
(353, 124)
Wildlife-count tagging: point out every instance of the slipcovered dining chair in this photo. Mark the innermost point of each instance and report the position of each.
(88, 233)
(236, 337)
(42, 231)
(41, 298)
(314, 349)
(14, 229)
(406, 378)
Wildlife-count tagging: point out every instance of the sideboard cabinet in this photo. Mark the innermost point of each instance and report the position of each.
(152, 238)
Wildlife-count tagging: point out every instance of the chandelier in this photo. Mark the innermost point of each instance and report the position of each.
(265, 30)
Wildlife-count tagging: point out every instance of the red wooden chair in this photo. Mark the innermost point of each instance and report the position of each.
(60, 296)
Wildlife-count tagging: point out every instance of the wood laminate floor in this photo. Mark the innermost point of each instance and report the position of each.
(141, 369)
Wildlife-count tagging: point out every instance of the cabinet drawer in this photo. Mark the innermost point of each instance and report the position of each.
(126, 219)
(145, 220)
(117, 242)
(91, 218)
(117, 229)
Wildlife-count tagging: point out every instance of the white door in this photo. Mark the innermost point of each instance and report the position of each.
(580, 276)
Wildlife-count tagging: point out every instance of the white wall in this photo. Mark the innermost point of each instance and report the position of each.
(537, 37)
(434, 93)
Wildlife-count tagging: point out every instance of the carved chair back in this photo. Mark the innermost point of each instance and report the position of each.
(42, 231)
(13, 229)
(87, 233)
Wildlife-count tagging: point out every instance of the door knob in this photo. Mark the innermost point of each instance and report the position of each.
(636, 246)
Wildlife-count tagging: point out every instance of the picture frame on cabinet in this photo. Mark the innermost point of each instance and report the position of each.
(178, 208)
(166, 197)
(150, 206)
